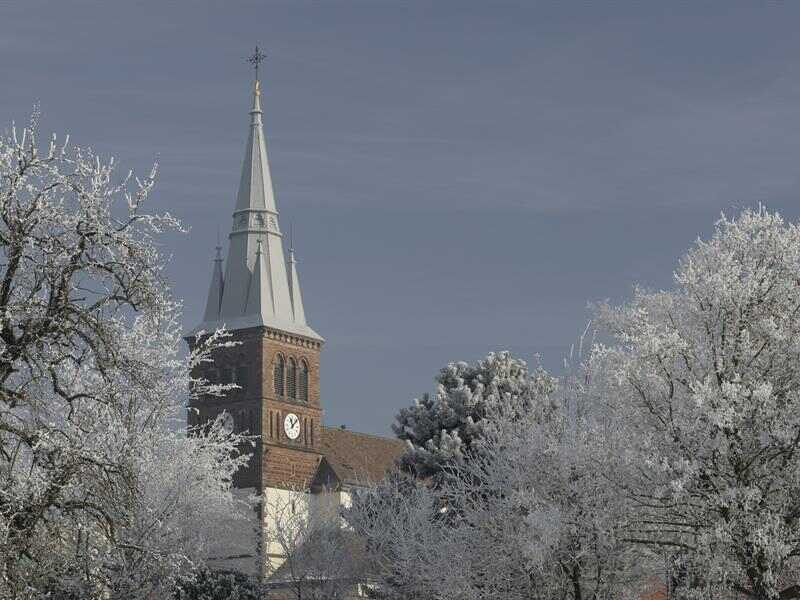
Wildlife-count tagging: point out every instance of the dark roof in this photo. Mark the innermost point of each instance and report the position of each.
(358, 458)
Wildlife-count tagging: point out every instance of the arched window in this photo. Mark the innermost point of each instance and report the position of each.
(302, 382)
(277, 375)
(291, 379)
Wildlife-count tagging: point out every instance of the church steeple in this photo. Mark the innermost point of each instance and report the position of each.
(257, 289)
(275, 363)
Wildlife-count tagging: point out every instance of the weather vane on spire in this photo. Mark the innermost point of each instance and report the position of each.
(257, 58)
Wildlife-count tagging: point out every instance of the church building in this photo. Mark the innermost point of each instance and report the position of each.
(256, 295)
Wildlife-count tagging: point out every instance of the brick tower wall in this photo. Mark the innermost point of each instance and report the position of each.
(256, 408)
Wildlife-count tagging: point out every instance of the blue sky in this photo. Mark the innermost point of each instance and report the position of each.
(462, 176)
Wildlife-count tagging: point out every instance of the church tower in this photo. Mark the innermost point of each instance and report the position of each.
(255, 295)
(257, 298)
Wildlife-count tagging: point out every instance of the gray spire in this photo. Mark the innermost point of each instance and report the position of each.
(255, 186)
(257, 290)
(298, 311)
(215, 289)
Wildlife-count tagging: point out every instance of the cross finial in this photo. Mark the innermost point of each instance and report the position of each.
(256, 59)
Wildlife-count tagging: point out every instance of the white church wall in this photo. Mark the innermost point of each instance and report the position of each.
(283, 506)
(280, 506)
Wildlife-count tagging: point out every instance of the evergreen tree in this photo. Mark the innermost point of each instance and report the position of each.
(446, 429)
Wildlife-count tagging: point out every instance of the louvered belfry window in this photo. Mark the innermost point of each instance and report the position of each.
(291, 379)
(302, 382)
(277, 375)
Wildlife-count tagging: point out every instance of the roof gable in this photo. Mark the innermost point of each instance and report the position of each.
(325, 478)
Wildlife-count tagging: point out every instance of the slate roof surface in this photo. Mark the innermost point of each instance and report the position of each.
(358, 458)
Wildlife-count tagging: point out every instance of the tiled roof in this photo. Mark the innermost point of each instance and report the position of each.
(359, 458)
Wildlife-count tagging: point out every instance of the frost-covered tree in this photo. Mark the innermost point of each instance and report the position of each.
(402, 525)
(530, 515)
(540, 496)
(205, 584)
(102, 495)
(707, 377)
(442, 430)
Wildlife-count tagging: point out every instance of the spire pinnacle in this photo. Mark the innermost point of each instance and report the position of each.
(215, 290)
(298, 312)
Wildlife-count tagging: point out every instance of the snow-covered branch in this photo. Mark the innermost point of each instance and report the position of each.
(101, 494)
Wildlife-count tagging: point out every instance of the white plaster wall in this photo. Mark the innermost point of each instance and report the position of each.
(324, 505)
(276, 500)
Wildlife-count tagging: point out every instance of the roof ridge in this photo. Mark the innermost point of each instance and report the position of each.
(361, 433)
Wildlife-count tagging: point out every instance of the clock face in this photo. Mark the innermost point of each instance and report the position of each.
(291, 425)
